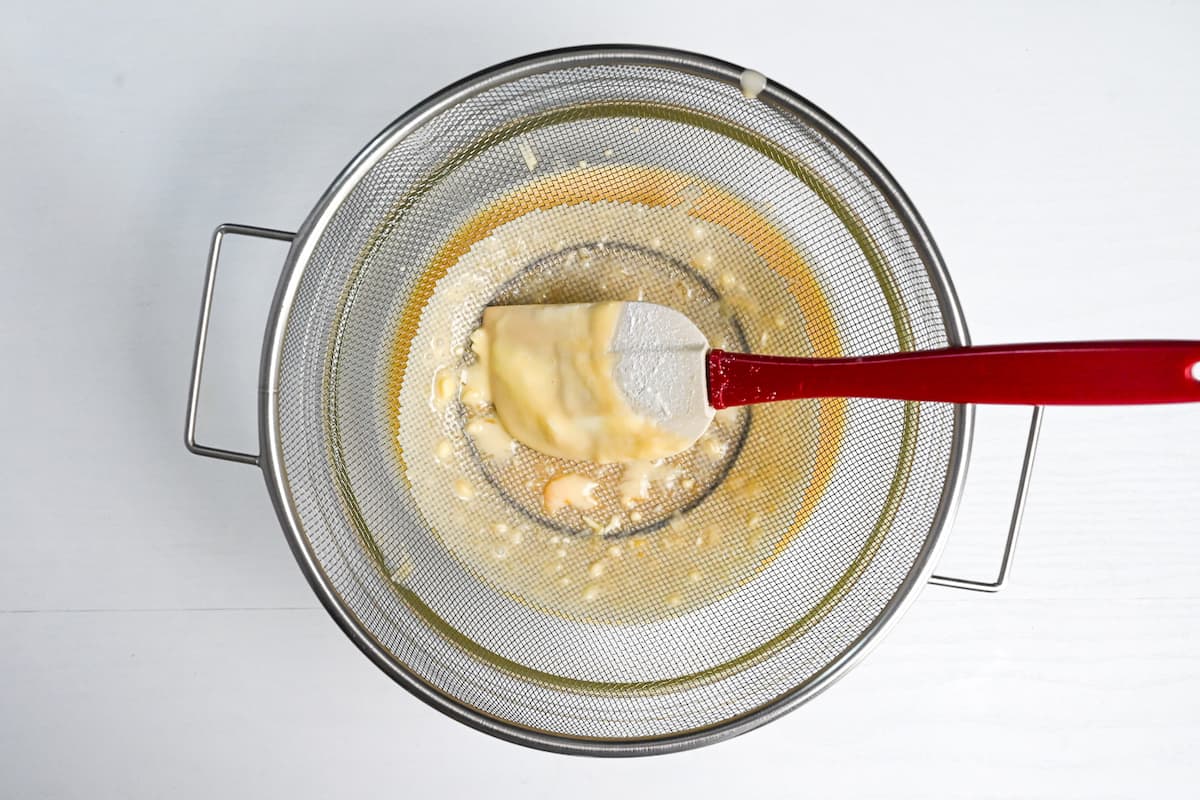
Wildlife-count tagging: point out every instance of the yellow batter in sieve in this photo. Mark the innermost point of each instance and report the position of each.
(644, 540)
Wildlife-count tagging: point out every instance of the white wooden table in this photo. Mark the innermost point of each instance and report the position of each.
(156, 637)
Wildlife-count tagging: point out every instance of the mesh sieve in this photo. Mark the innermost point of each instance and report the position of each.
(752, 577)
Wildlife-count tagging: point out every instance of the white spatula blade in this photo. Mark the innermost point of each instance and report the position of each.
(660, 367)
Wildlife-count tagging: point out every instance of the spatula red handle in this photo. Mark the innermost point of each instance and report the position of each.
(1065, 373)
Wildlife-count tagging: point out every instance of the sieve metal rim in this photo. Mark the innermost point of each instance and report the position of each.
(271, 458)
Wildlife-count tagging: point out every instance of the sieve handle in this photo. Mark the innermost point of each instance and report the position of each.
(214, 253)
(1014, 522)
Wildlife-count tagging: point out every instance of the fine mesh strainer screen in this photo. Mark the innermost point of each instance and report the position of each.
(677, 597)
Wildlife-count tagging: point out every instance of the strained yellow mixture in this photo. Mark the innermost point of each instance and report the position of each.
(622, 542)
(551, 370)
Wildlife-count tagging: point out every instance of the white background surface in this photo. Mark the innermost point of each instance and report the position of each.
(156, 637)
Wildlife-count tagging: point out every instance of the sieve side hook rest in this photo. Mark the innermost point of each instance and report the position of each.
(214, 253)
(1014, 525)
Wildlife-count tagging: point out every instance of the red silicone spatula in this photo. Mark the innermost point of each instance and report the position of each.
(1062, 373)
(662, 365)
